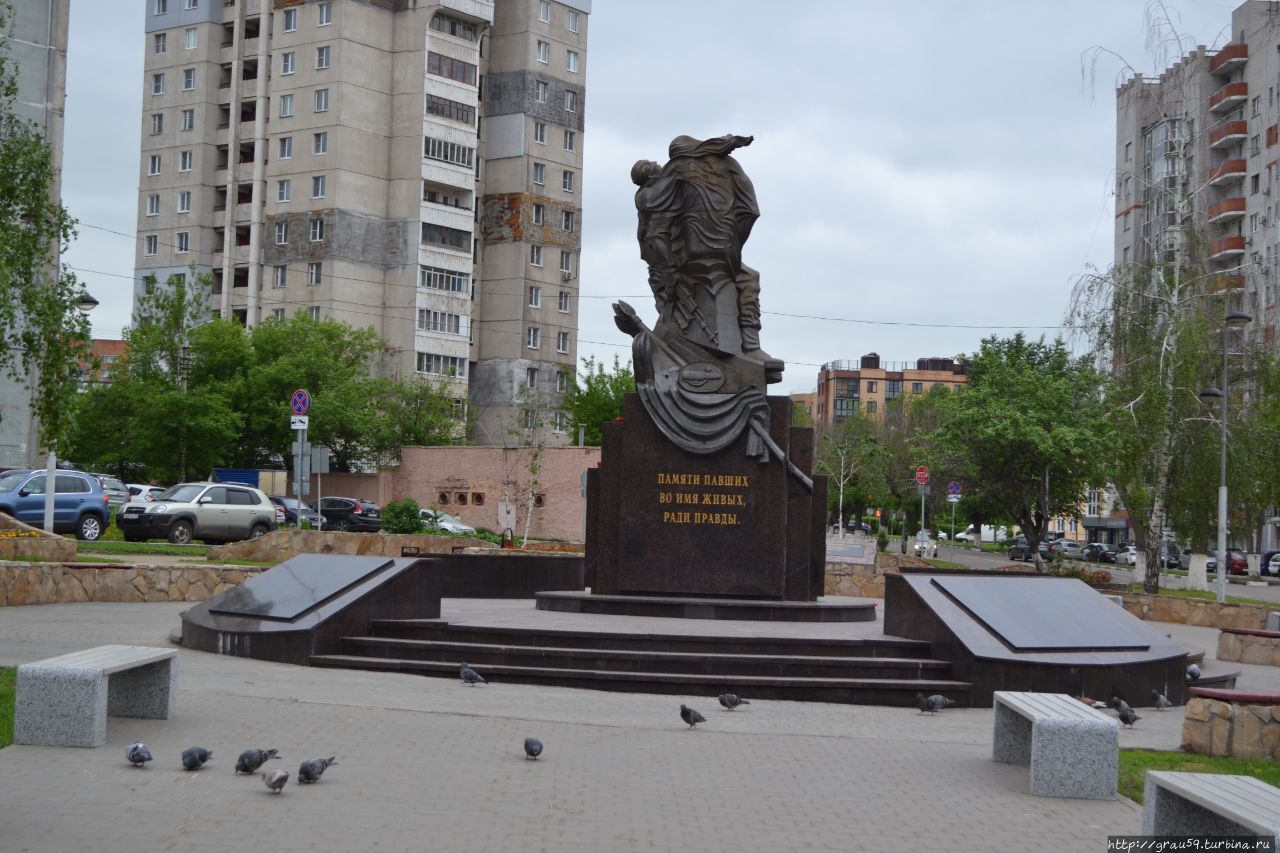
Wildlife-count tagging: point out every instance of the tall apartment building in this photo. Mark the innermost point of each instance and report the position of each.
(1196, 165)
(846, 387)
(411, 166)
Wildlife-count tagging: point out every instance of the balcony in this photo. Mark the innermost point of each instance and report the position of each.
(1229, 97)
(1231, 57)
(1226, 210)
(1226, 248)
(1227, 133)
(1227, 283)
(1230, 170)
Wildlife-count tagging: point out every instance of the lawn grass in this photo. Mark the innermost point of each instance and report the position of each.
(946, 564)
(100, 547)
(1206, 595)
(8, 675)
(94, 558)
(1134, 764)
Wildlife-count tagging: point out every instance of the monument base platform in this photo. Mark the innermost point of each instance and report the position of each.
(575, 601)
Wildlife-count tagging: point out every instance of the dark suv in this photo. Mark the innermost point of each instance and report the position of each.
(351, 514)
(1019, 549)
(79, 504)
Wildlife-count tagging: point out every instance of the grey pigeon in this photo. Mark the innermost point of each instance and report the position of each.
(1160, 700)
(194, 757)
(312, 770)
(933, 704)
(532, 747)
(690, 716)
(1119, 704)
(1127, 716)
(1193, 672)
(275, 779)
(251, 759)
(470, 676)
(732, 700)
(138, 754)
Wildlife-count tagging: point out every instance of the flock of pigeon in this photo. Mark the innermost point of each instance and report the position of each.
(195, 757)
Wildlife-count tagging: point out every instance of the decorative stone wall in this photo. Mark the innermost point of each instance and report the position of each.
(27, 542)
(55, 583)
(863, 581)
(1195, 611)
(281, 545)
(1241, 646)
(1221, 728)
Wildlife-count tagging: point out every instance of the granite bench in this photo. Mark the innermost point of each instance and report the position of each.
(65, 700)
(1073, 750)
(1249, 645)
(1209, 804)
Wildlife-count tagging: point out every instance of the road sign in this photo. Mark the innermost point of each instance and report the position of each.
(922, 475)
(300, 402)
(298, 422)
(953, 498)
(953, 488)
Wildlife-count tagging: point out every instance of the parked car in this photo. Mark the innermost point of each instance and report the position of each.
(443, 521)
(965, 535)
(295, 509)
(1237, 562)
(351, 514)
(117, 492)
(855, 526)
(140, 493)
(212, 512)
(1273, 565)
(1069, 548)
(1019, 549)
(1099, 552)
(80, 506)
(1127, 555)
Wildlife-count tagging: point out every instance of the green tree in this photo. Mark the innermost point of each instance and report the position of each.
(847, 453)
(595, 397)
(402, 516)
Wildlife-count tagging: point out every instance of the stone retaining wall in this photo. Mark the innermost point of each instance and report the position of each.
(43, 546)
(1195, 611)
(863, 581)
(1220, 728)
(1249, 648)
(281, 545)
(54, 583)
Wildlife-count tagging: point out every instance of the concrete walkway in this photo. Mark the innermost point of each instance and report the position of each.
(429, 764)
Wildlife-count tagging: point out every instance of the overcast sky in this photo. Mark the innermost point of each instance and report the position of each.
(928, 173)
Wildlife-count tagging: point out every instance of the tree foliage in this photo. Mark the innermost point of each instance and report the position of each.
(595, 397)
(847, 453)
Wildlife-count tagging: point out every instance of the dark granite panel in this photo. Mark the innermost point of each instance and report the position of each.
(297, 585)
(706, 608)
(818, 538)
(799, 511)
(605, 543)
(592, 549)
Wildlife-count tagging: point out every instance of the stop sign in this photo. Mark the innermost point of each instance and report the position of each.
(922, 475)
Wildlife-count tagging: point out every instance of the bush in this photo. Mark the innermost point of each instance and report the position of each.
(882, 541)
(402, 516)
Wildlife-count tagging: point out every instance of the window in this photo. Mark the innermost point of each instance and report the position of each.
(322, 56)
(450, 238)
(279, 276)
(562, 341)
(184, 201)
(184, 161)
(454, 27)
(540, 92)
(566, 181)
(544, 11)
(571, 61)
(193, 38)
(566, 220)
(443, 365)
(191, 4)
(562, 304)
(562, 381)
(539, 173)
(452, 110)
(277, 314)
(448, 152)
(917, 387)
(533, 338)
(871, 386)
(284, 190)
(282, 233)
(162, 6)
(317, 230)
(540, 132)
(290, 20)
(320, 143)
(313, 313)
(1128, 151)
(544, 52)
(1127, 220)
(566, 262)
(439, 321)
(1257, 105)
(286, 106)
(322, 100)
(872, 405)
(188, 119)
(188, 79)
(184, 242)
(288, 63)
(531, 378)
(160, 42)
(153, 165)
(561, 424)
(153, 205)
(539, 212)
(150, 244)
(1253, 223)
(442, 279)
(157, 124)
(573, 21)
(535, 256)
(314, 271)
(535, 296)
(286, 147)
(317, 186)
(570, 140)
(325, 17)
(454, 69)
(571, 101)
(157, 84)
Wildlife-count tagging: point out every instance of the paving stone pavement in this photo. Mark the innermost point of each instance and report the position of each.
(430, 764)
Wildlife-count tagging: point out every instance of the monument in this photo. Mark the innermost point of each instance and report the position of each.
(704, 488)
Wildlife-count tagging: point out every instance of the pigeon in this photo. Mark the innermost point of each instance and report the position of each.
(312, 770)
(275, 779)
(1119, 704)
(933, 704)
(1160, 700)
(732, 700)
(1193, 672)
(532, 747)
(470, 676)
(1127, 716)
(690, 716)
(251, 759)
(194, 757)
(138, 754)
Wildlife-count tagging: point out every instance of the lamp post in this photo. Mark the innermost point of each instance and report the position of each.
(84, 305)
(1235, 318)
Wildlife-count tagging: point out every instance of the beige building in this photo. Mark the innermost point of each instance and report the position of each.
(867, 385)
(415, 167)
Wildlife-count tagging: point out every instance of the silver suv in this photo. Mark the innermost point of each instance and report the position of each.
(206, 511)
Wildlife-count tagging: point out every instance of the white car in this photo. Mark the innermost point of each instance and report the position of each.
(964, 537)
(1128, 556)
(139, 493)
(443, 521)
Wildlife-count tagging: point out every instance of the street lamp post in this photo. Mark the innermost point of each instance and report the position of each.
(84, 305)
(1235, 318)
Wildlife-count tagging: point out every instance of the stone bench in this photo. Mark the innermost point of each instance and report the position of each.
(65, 701)
(1073, 750)
(1184, 804)
(1248, 645)
(1238, 723)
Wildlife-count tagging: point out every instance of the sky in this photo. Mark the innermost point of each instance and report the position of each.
(928, 173)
